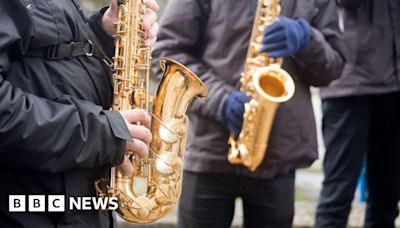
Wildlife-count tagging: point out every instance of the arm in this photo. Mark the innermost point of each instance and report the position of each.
(180, 38)
(50, 135)
(322, 61)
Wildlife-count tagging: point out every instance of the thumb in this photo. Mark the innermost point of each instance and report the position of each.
(126, 167)
(242, 98)
(114, 7)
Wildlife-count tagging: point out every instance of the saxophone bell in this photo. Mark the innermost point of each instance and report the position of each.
(274, 84)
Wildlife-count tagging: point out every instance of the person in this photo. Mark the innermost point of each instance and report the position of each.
(361, 111)
(211, 38)
(57, 133)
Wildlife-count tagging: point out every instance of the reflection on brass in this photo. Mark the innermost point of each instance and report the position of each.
(155, 187)
(267, 84)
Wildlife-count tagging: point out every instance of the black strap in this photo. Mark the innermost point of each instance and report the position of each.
(70, 50)
(73, 49)
(64, 51)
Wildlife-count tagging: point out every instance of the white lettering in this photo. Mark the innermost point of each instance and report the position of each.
(37, 203)
(113, 203)
(16, 203)
(74, 203)
(86, 203)
(56, 203)
(100, 203)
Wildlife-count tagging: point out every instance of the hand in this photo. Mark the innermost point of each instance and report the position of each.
(286, 37)
(141, 137)
(150, 25)
(232, 112)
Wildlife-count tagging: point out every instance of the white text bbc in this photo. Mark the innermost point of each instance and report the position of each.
(56, 203)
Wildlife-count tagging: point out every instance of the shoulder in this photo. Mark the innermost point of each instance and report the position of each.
(15, 8)
(16, 13)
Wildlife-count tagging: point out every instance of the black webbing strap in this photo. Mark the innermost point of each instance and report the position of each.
(66, 51)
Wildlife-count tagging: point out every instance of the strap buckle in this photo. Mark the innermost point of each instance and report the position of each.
(70, 50)
(91, 49)
(60, 51)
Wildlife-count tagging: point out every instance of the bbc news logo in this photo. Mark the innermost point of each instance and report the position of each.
(57, 203)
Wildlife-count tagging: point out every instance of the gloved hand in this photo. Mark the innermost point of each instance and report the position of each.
(286, 37)
(232, 112)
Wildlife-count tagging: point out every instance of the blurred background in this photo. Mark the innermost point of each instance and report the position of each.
(308, 181)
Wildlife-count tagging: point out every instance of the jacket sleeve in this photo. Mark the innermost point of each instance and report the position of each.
(50, 135)
(180, 38)
(322, 61)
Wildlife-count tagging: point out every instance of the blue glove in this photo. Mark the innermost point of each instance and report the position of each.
(286, 37)
(232, 112)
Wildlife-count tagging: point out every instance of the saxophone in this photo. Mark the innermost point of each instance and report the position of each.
(155, 186)
(267, 84)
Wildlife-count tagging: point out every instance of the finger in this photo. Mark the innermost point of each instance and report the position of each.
(274, 47)
(236, 127)
(284, 19)
(140, 132)
(153, 5)
(243, 98)
(275, 27)
(133, 116)
(114, 7)
(238, 130)
(237, 105)
(238, 112)
(150, 42)
(274, 37)
(138, 147)
(153, 31)
(149, 20)
(126, 167)
(152, 35)
(235, 119)
(280, 53)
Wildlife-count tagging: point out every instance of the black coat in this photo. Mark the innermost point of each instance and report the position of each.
(372, 43)
(56, 137)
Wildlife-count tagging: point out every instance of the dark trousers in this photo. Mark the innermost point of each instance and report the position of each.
(355, 128)
(208, 200)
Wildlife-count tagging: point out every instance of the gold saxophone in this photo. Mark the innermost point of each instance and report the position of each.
(267, 84)
(155, 187)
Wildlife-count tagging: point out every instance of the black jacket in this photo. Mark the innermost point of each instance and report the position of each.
(372, 41)
(293, 140)
(55, 135)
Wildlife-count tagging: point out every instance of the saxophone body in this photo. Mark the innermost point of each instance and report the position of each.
(268, 85)
(155, 186)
